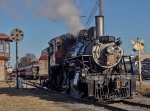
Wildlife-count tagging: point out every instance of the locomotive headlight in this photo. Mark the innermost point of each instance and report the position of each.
(83, 74)
(110, 50)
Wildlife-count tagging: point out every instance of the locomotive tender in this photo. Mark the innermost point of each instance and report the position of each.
(90, 65)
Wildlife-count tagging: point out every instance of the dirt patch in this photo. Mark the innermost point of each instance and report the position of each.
(143, 91)
(12, 99)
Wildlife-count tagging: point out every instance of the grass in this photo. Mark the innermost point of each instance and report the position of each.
(12, 99)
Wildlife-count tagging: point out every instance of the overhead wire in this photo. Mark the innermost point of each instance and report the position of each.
(88, 10)
(92, 14)
(91, 4)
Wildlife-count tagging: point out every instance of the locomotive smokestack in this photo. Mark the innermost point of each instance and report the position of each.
(100, 22)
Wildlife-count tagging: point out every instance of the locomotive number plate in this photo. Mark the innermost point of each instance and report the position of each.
(111, 58)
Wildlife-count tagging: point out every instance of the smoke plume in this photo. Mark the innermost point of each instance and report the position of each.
(54, 10)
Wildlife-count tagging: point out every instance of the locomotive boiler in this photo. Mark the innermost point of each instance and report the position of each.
(106, 51)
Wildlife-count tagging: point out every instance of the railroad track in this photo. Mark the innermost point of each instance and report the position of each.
(136, 104)
(130, 107)
(11, 83)
(123, 105)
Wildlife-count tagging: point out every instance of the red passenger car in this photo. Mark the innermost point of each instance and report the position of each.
(30, 71)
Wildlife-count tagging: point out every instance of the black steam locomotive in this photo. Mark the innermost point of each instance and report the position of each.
(90, 66)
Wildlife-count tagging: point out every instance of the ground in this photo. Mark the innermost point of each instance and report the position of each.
(29, 99)
(12, 99)
(145, 89)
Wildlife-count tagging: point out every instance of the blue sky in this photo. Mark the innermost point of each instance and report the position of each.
(127, 19)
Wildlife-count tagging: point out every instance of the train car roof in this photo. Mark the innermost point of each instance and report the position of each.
(44, 57)
(44, 54)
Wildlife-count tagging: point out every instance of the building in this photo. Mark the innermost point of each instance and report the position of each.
(4, 55)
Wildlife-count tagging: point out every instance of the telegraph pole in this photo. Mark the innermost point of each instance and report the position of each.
(139, 60)
(139, 64)
(101, 11)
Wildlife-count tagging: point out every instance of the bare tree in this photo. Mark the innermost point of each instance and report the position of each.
(27, 59)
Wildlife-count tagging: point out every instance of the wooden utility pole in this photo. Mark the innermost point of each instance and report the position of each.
(139, 46)
(139, 64)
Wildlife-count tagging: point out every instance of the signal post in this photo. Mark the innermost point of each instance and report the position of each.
(139, 46)
(17, 36)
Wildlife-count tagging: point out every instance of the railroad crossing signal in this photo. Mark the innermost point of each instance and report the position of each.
(138, 46)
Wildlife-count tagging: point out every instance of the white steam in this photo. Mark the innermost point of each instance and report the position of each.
(62, 10)
(55, 10)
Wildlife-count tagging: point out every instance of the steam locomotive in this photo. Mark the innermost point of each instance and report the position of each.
(89, 66)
